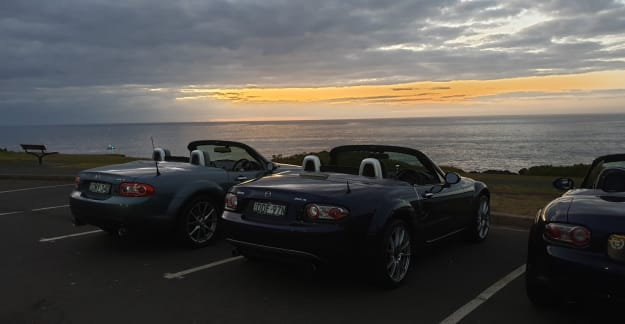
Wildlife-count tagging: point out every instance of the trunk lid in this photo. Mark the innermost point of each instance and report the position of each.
(604, 215)
(258, 199)
(103, 182)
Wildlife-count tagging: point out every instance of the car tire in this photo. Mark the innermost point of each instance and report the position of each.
(538, 293)
(479, 226)
(198, 222)
(112, 232)
(393, 260)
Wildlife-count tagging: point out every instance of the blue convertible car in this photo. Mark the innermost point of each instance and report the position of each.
(374, 203)
(181, 195)
(577, 243)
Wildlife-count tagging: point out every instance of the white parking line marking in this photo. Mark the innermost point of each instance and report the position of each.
(11, 213)
(513, 229)
(54, 207)
(35, 188)
(465, 310)
(181, 274)
(51, 239)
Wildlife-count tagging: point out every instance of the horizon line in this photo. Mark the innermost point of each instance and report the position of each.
(226, 121)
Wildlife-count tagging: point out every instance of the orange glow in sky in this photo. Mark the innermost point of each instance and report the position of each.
(415, 93)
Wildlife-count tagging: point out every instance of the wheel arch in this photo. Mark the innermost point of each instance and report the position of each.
(401, 211)
(480, 190)
(194, 190)
(407, 215)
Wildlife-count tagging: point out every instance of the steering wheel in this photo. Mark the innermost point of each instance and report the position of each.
(243, 162)
(412, 176)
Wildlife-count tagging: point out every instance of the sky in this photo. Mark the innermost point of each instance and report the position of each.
(108, 61)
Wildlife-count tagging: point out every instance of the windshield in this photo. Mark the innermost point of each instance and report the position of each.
(227, 156)
(393, 163)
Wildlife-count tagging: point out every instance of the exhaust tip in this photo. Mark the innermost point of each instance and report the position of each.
(122, 231)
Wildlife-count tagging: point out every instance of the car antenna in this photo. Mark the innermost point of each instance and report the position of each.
(348, 189)
(158, 173)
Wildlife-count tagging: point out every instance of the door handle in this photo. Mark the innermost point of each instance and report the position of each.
(428, 195)
(241, 178)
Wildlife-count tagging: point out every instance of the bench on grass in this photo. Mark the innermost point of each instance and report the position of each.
(37, 150)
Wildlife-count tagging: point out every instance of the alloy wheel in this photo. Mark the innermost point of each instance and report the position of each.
(201, 221)
(398, 253)
(483, 218)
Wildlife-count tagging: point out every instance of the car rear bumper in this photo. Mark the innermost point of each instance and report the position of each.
(116, 212)
(255, 249)
(579, 273)
(309, 241)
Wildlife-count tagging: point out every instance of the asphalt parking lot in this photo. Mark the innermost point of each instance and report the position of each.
(53, 272)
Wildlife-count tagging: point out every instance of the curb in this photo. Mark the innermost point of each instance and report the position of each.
(512, 220)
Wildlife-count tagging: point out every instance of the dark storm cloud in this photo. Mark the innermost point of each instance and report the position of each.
(77, 44)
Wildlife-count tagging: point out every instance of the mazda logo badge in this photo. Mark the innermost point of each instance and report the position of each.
(267, 194)
(616, 243)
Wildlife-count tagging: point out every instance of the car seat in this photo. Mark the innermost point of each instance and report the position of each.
(199, 157)
(311, 163)
(160, 154)
(371, 167)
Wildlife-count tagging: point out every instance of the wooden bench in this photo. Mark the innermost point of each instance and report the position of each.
(41, 150)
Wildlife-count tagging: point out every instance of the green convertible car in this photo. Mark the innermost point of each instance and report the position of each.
(182, 196)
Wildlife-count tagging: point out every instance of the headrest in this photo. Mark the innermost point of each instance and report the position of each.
(370, 167)
(160, 154)
(311, 163)
(199, 157)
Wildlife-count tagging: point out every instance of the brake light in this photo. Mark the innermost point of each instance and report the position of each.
(134, 189)
(325, 212)
(77, 182)
(232, 201)
(576, 235)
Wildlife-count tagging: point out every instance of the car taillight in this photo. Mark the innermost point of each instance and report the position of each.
(133, 189)
(325, 212)
(77, 182)
(576, 235)
(231, 201)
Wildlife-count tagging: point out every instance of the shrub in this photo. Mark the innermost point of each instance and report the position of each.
(576, 170)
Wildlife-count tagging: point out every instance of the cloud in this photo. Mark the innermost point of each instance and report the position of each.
(76, 44)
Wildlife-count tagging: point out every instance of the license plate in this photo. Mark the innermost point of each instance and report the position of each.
(98, 187)
(269, 209)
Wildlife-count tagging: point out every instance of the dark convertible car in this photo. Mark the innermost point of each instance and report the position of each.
(577, 242)
(374, 203)
(182, 195)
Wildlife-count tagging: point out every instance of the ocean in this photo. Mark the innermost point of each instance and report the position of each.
(470, 143)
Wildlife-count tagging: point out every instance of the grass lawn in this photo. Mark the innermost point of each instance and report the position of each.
(517, 194)
(64, 161)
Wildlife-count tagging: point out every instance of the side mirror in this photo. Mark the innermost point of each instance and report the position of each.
(564, 183)
(271, 166)
(452, 178)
